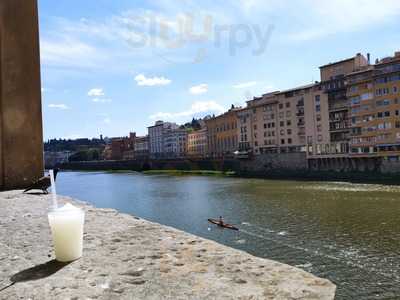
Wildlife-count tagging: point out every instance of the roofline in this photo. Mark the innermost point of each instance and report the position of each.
(369, 69)
(304, 87)
(338, 62)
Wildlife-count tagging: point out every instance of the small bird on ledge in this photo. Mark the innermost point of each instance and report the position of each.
(42, 183)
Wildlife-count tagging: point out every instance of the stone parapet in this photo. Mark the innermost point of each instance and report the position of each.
(126, 257)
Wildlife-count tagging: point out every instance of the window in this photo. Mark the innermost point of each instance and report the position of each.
(281, 123)
(255, 127)
(289, 141)
(288, 114)
(318, 108)
(265, 125)
(288, 122)
(319, 128)
(282, 132)
(289, 131)
(282, 141)
(317, 98)
(318, 118)
(319, 138)
(287, 104)
(280, 105)
(281, 115)
(256, 143)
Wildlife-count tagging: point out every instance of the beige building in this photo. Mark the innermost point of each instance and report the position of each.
(285, 122)
(197, 143)
(222, 137)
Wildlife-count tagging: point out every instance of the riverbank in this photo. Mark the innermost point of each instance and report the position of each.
(127, 257)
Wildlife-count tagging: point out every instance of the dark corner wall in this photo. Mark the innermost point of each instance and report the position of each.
(21, 137)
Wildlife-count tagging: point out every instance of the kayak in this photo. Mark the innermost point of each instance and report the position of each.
(224, 225)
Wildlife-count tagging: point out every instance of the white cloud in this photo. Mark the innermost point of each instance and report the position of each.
(196, 108)
(107, 120)
(58, 106)
(102, 100)
(245, 85)
(96, 92)
(199, 89)
(67, 51)
(151, 81)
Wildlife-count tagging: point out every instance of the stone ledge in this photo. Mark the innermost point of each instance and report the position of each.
(127, 257)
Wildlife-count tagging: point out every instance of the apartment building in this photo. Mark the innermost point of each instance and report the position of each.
(374, 97)
(294, 120)
(333, 82)
(257, 125)
(197, 143)
(175, 143)
(222, 137)
(156, 135)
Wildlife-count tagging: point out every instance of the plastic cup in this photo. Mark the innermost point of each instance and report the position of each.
(66, 224)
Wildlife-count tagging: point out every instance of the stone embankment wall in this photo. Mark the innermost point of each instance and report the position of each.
(143, 165)
(127, 257)
(282, 166)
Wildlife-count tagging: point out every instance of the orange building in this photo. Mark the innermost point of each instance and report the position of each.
(222, 134)
(374, 97)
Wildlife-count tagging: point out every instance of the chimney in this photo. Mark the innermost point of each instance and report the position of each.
(369, 58)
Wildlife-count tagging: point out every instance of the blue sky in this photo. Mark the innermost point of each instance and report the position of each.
(111, 67)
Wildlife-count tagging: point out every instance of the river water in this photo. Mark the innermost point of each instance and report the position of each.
(348, 233)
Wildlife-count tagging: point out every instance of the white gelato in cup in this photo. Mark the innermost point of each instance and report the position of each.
(66, 225)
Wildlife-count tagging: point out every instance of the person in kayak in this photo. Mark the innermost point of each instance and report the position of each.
(221, 221)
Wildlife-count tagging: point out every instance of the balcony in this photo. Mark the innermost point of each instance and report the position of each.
(301, 124)
(300, 114)
(338, 107)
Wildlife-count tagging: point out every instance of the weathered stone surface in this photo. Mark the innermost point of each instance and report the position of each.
(127, 257)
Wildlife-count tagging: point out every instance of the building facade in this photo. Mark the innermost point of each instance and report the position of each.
(175, 143)
(142, 147)
(197, 143)
(333, 81)
(374, 98)
(157, 134)
(222, 135)
(289, 121)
